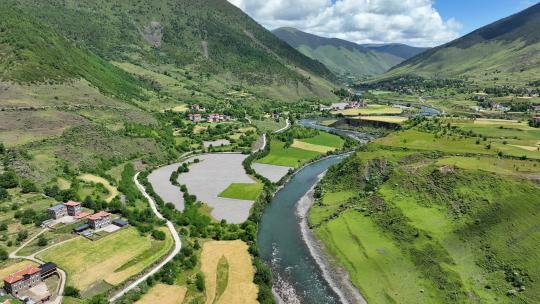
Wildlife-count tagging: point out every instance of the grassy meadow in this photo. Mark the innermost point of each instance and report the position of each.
(426, 217)
(241, 191)
(95, 266)
(372, 109)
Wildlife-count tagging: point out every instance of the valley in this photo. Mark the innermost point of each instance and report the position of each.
(181, 152)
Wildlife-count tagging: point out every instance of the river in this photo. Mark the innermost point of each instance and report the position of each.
(294, 258)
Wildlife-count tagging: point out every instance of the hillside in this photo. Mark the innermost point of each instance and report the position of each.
(210, 37)
(506, 51)
(344, 57)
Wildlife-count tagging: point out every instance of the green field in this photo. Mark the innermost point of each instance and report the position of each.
(289, 157)
(241, 191)
(94, 265)
(372, 109)
(325, 139)
(419, 235)
(418, 140)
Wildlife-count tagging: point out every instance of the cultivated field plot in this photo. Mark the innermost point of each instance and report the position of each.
(94, 266)
(232, 286)
(272, 172)
(389, 119)
(243, 191)
(370, 110)
(418, 140)
(496, 165)
(287, 157)
(160, 180)
(164, 294)
(213, 175)
(90, 178)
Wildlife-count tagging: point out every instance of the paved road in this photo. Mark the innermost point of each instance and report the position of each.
(177, 245)
(284, 128)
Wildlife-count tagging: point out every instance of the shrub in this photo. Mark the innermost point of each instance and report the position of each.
(159, 235)
(71, 291)
(199, 282)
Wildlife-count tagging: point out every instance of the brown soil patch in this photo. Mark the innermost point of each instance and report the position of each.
(164, 294)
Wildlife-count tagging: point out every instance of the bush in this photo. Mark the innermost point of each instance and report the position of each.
(4, 255)
(199, 282)
(9, 180)
(4, 195)
(42, 241)
(27, 186)
(159, 235)
(71, 291)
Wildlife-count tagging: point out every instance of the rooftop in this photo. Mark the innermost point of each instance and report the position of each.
(19, 275)
(72, 204)
(99, 215)
(57, 207)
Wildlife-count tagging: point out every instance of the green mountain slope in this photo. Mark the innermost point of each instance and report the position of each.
(397, 49)
(507, 51)
(344, 57)
(31, 51)
(210, 37)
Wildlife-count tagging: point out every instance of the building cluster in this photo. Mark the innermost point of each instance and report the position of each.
(70, 208)
(19, 283)
(339, 106)
(214, 117)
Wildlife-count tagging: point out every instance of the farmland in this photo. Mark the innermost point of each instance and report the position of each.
(112, 192)
(372, 109)
(164, 294)
(238, 286)
(95, 266)
(241, 191)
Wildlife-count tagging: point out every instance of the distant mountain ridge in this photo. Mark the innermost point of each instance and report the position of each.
(506, 49)
(345, 57)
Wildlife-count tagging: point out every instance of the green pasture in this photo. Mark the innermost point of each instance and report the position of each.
(325, 139)
(243, 191)
(289, 157)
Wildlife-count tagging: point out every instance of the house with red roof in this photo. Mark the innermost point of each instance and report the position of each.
(99, 220)
(22, 280)
(73, 208)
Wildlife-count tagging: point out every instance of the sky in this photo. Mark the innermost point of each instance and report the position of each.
(414, 22)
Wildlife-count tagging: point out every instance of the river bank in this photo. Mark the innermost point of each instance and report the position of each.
(336, 276)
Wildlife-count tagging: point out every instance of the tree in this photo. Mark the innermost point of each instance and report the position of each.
(22, 235)
(9, 180)
(4, 195)
(42, 241)
(2, 148)
(71, 291)
(27, 186)
(199, 281)
(4, 255)
(159, 235)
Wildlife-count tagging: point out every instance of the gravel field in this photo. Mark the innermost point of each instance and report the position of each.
(211, 176)
(216, 143)
(170, 193)
(271, 172)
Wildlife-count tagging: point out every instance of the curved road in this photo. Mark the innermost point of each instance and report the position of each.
(284, 128)
(177, 245)
(62, 274)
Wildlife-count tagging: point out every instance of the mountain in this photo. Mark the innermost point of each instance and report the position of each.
(345, 57)
(210, 37)
(504, 52)
(397, 49)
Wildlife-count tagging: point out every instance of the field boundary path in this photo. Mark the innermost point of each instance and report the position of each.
(176, 238)
(62, 274)
(288, 125)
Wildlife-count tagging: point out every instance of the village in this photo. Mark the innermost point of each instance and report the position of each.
(43, 283)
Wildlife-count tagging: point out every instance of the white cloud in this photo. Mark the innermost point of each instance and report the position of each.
(414, 22)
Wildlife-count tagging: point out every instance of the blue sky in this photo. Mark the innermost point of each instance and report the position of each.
(414, 22)
(473, 14)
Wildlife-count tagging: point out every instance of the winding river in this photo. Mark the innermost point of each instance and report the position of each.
(293, 256)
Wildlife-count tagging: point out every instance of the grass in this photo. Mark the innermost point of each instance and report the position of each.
(288, 157)
(243, 191)
(422, 236)
(390, 119)
(240, 287)
(91, 264)
(325, 139)
(492, 164)
(112, 191)
(268, 125)
(165, 294)
(222, 277)
(418, 140)
(311, 147)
